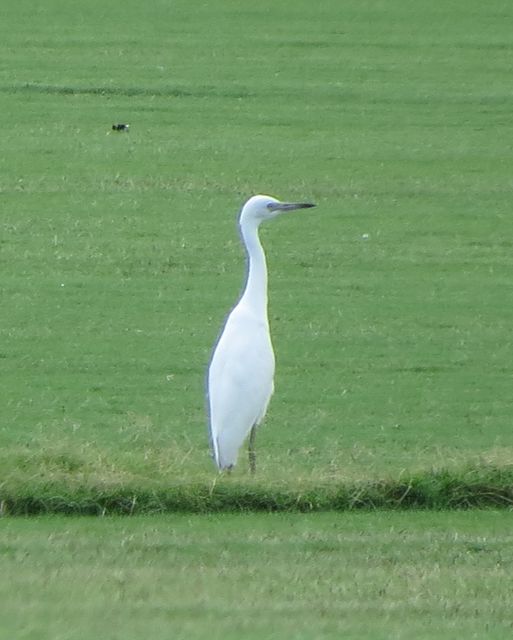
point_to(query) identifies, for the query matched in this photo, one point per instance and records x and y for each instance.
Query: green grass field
(390, 308)
(372, 575)
(120, 254)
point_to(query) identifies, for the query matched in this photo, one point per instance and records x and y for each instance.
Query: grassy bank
(470, 488)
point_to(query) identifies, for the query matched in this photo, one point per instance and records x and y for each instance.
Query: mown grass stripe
(170, 92)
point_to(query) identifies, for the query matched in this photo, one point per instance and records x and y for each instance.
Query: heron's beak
(290, 206)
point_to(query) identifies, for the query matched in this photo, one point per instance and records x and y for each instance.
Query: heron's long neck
(255, 292)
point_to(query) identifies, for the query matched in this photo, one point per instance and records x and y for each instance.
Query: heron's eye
(270, 205)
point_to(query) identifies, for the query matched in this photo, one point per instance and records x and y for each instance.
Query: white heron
(241, 372)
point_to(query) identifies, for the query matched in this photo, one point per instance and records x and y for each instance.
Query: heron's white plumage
(240, 383)
(241, 372)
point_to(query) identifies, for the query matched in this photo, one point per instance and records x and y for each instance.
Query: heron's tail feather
(215, 451)
(225, 453)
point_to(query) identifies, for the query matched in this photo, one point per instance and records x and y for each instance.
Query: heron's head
(260, 208)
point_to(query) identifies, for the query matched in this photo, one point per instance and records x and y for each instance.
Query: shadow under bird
(241, 372)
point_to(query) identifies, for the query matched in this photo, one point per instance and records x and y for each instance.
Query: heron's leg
(251, 449)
